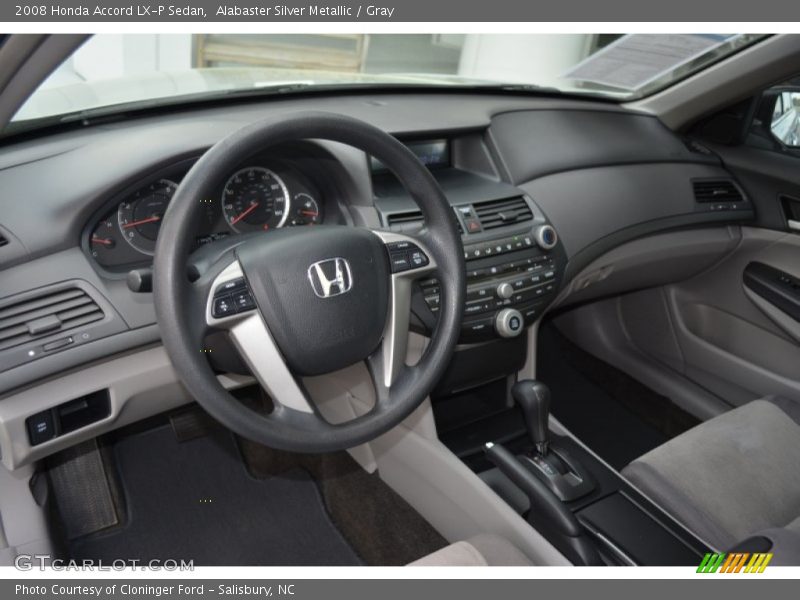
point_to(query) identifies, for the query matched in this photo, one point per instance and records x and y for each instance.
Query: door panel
(730, 344)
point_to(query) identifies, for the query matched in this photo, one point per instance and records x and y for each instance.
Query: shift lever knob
(533, 397)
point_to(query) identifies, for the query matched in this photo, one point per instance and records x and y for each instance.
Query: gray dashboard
(602, 176)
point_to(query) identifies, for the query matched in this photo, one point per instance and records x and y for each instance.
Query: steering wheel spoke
(230, 306)
(410, 260)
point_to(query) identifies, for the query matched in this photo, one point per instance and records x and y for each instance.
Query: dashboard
(598, 174)
(264, 194)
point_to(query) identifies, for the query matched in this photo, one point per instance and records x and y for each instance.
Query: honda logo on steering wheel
(330, 277)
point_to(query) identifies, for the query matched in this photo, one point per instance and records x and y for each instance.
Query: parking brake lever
(547, 513)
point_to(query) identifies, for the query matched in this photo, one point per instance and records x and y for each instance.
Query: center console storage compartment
(627, 531)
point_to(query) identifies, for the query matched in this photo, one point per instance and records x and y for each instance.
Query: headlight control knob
(546, 237)
(509, 323)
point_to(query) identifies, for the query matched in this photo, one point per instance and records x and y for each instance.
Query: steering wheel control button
(509, 323)
(546, 237)
(418, 258)
(223, 307)
(404, 256)
(242, 301)
(230, 286)
(400, 262)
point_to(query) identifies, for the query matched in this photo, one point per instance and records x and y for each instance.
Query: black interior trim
(775, 286)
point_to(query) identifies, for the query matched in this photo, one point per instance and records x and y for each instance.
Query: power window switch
(41, 427)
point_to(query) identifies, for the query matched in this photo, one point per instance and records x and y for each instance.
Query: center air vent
(411, 222)
(500, 213)
(719, 190)
(45, 314)
(405, 221)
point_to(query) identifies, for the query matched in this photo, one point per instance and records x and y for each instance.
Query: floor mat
(382, 527)
(196, 501)
(609, 411)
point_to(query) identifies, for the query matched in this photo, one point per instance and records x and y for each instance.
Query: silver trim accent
(395, 333)
(343, 279)
(255, 343)
(795, 225)
(538, 235)
(502, 322)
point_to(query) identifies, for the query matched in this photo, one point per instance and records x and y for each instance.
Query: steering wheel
(307, 301)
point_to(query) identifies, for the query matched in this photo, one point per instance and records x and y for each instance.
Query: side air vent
(721, 190)
(499, 213)
(406, 221)
(46, 314)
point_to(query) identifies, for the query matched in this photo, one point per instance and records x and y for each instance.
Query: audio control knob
(509, 323)
(546, 237)
(504, 291)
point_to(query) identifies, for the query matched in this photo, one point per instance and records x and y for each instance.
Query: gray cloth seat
(483, 550)
(733, 477)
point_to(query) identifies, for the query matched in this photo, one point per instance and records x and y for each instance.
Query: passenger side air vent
(46, 314)
(406, 221)
(721, 190)
(500, 213)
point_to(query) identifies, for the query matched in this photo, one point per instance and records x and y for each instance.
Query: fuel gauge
(305, 210)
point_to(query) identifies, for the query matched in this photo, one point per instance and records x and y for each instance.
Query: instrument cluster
(256, 197)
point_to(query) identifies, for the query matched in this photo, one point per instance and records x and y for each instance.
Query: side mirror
(784, 123)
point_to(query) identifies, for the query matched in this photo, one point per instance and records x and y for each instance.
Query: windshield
(115, 72)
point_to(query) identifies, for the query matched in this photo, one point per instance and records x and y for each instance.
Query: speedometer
(255, 199)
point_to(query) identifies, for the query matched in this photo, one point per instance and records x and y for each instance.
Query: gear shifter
(567, 478)
(533, 397)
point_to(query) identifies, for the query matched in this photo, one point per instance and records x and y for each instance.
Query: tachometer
(255, 199)
(140, 216)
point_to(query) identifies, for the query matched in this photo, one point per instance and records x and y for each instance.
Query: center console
(514, 257)
(499, 426)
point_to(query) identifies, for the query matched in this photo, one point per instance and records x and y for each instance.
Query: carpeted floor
(186, 488)
(196, 501)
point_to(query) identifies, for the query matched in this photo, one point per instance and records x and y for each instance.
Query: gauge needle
(152, 219)
(244, 213)
(97, 240)
(309, 213)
